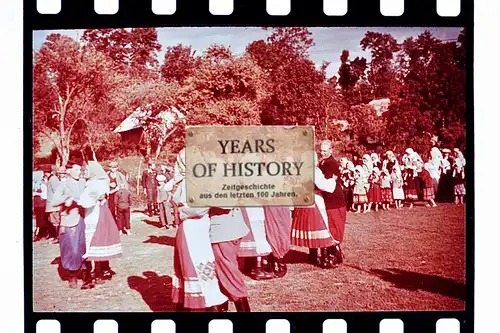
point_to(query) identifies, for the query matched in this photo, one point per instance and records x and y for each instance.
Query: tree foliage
(83, 90)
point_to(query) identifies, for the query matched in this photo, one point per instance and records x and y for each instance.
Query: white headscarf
(436, 156)
(460, 157)
(367, 161)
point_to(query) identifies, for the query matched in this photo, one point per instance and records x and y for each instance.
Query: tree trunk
(148, 146)
(138, 177)
(158, 149)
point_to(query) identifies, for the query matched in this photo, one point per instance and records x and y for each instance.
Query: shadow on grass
(63, 274)
(296, 257)
(417, 281)
(162, 240)
(156, 224)
(155, 290)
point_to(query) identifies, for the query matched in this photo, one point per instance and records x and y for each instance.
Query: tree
(350, 73)
(381, 74)
(225, 90)
(433, 76)
(133, 51)
(180, 63)
(70, 86)
(298, 91)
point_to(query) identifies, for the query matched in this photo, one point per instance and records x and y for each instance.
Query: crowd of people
(77, 208)
(370, 182)
(84, 209)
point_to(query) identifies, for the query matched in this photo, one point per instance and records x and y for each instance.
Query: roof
(132, 122)
(380, 105)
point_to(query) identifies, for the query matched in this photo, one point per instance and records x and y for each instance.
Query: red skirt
(375, 193)
(386, 194)
(359, 199)
(105, 244)
(428, 193)
(278, 224)
(411, 194)
(309, 229)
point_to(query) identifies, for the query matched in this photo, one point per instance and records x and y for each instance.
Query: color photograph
(112, 227)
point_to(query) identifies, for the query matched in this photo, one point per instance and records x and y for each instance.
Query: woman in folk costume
(278, 222)
(367, 166)
(390, 161)
(385, 188)
(375, 193)
(410, 176)
(310, 224)
(347, 180)
(459, 177)
(254, 245)
(360, 198)
(102, 237)
(39, 203)
(434, 167)
(195, 283)
(72, 230)
(376, 160)
(445, 187)
(398, 193)
(425, 175)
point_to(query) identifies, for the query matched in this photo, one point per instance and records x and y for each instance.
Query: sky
(329, 42)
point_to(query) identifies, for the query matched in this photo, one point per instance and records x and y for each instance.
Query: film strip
(46, 313)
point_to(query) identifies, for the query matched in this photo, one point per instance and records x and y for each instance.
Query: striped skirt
(309, 228)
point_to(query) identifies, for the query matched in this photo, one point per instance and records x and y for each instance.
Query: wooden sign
(229, 166)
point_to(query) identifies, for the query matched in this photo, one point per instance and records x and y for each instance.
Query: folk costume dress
(254, 244)
(347, 177)
(410, 175)
(102, 237)
(72, 232)
(195, 283)
(375, 193)
(459, 177)
(397, 183)
(359, 192)
(310, 224)
(425, 175)
(385, 187)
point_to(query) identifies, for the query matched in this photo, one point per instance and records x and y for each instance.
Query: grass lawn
(395, 260)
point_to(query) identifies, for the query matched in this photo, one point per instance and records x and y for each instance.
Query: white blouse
(327, 185)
